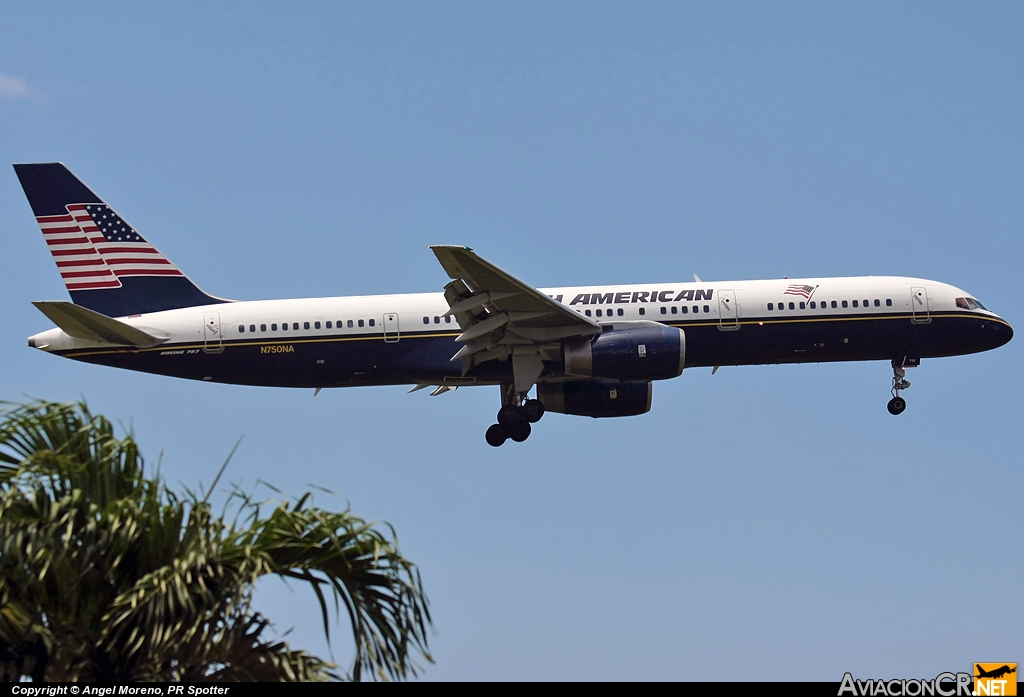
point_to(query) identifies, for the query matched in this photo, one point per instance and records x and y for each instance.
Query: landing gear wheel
(899, 382)
(897, 405)
(509, 415)
(533, 410)
(520, 431)
(496, 435)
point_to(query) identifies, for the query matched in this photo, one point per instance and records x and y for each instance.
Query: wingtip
(450, 246)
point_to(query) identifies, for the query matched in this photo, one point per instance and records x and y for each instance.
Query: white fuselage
(424, 313)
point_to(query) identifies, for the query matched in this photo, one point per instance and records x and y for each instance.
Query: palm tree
(106, 574)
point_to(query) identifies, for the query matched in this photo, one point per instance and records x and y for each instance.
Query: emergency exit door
(728, 313)
(212, 342)
(391, 327)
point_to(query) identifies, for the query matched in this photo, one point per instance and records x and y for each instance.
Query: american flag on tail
(801, 290)
(94, 247)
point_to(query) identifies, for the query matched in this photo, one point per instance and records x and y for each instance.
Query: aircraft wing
(497, 312)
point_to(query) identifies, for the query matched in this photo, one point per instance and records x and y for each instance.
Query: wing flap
(505, 292)
(502, 317)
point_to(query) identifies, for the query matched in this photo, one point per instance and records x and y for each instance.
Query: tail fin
(106, 264)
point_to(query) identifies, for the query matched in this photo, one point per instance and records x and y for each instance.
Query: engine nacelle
(596, 398)
(642, 353)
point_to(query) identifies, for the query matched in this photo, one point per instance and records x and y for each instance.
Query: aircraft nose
(1006, 333)
(1003, 332)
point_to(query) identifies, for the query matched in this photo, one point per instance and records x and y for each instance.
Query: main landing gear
(514, 419)
(899, 382)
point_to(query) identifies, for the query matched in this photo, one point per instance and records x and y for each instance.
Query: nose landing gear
(514, 419)
(899, 382)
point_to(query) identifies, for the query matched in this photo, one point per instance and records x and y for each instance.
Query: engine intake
(596, 398)
(643, 353)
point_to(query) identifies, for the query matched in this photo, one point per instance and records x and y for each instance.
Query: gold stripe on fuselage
(437, 335)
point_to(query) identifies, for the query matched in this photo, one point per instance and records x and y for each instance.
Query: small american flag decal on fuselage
(801, 290)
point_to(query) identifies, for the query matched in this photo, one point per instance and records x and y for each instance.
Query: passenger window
(371, 322)
(598, 313)
(273, 327)
(620, 312)
(426, 320)
(437, 320)
(350, 324)
(664, 310)
(834, 303)
(587, 313)
(855, 303)
(305, 325)
(684, 309)
(844, 303)
(674, 310)
(263, 327)
(252, 327)
(295, 326)
(316, 325)
(792, 306)
(707, 309)
(803, 306)
(360, 323)
(642, 311)
(877, 303)
(771, 307)
(865, 303)
(696, 309)
(888, 302)
(328, 324)
(447, 319)
(284, 327)
(241, 329)
(813, 306)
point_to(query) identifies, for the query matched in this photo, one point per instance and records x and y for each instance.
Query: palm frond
(107, 574)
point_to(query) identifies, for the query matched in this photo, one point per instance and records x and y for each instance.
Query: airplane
(995, 673)
(589, 351)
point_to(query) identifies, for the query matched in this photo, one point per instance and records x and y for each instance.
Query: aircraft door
(728, 312)
(919, 306)
(212, 342)
(391, 327)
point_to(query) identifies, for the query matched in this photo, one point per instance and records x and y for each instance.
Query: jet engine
(596, 398)
(641, 353)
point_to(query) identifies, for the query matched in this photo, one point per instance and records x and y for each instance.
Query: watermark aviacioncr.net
(989, 680)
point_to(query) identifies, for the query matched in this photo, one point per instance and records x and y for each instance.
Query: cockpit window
(970, 304)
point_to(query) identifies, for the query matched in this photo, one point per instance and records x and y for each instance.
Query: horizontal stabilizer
(83, 323)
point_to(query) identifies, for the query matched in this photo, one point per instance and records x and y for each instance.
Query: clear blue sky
(766, 522)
